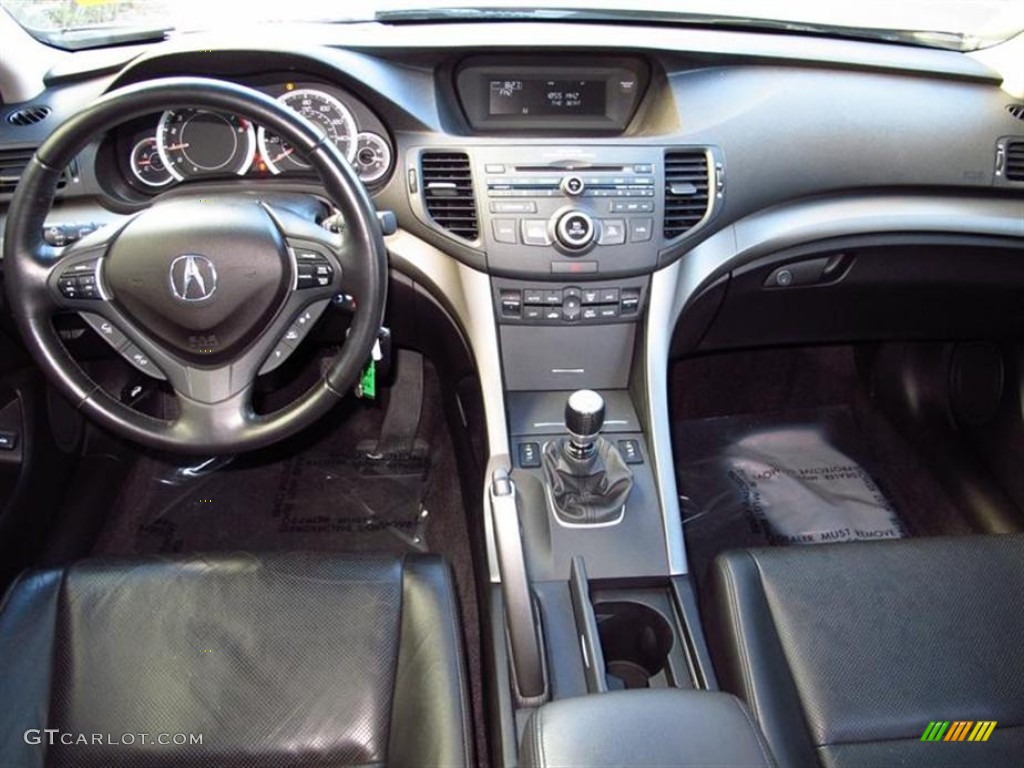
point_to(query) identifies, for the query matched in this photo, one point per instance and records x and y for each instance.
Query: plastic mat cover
(359, 501)
(789, 479)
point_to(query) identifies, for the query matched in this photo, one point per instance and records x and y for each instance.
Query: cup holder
(636, 641)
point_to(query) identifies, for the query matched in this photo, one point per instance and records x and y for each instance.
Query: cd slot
(570, 167)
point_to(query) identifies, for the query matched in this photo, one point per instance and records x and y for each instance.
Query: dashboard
(550, 160)
(157, 152)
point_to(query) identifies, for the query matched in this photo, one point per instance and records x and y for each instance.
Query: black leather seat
(289, 660)
(845, 653)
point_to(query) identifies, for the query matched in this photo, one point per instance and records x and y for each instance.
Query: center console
(572, 236)
(561, 231)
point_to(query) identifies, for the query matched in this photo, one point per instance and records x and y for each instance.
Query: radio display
(510, 96)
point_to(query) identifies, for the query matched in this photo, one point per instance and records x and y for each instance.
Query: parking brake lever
(520, 617)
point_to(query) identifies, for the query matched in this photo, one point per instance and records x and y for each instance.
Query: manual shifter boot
(588, 491)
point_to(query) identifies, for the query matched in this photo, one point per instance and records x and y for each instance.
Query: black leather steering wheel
(206, 289)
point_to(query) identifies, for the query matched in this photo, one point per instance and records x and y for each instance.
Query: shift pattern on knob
(584, 415)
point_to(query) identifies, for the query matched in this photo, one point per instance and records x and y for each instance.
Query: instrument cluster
(195, 143)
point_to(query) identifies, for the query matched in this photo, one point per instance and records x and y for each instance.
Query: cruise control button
(613, 232)
(277, 357)
(107, 331)
(141, 360)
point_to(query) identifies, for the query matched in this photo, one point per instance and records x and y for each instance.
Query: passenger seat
(848, 654)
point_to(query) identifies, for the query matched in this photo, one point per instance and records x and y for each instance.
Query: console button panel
(524, 303)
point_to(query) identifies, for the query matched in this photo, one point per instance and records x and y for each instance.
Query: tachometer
(373, 157)
(196, 142)
(326, 113)
(146, 164)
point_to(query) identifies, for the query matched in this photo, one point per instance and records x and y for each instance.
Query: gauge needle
(177, 146)
(284, 154)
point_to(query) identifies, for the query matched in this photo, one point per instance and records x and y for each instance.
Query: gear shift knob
(584, 417)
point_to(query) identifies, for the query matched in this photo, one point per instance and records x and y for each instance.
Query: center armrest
(644, 728)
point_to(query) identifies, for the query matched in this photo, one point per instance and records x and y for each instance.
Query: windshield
(956, 24)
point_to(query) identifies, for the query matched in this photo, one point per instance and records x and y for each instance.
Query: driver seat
(279, 660)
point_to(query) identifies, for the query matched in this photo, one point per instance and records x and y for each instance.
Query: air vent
(13, 163)
(29, 115)
(448, 192)
(1014, 161)
(1017, 110)
(686, 191)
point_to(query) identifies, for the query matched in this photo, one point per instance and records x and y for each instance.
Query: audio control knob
(575, 230)
(573, 186)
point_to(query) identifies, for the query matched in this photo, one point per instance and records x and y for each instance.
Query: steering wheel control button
(613, 232)
(575, 230)
(106, 330)
(141, 361)
(535, 232)
(314, 270)
(277, 358)
(573, 186)
(79, 281)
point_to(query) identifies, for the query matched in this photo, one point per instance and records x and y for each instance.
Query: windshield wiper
(947, 40)
(102, 36)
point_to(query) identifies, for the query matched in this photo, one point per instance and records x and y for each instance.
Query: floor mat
(344, 501)
(792, 478)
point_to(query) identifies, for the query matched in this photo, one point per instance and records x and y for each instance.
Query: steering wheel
(204, 290)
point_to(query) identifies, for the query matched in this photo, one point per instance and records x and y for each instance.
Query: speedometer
(195, 142)
(325, 112)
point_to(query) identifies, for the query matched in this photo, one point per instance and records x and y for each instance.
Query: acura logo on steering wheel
(193, 277)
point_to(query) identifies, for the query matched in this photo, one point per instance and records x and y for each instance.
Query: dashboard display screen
(547, 97)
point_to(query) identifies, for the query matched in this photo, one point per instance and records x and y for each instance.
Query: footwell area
(784, 447)
(336, 495)
(796, 478)
(317, 500)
